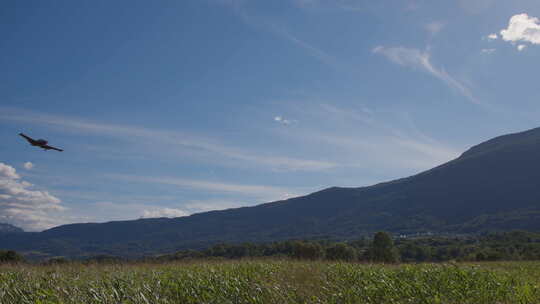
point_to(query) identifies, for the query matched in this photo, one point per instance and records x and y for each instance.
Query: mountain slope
(493, 185)
(7, 228)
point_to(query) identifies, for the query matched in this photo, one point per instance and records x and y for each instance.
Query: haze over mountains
(492, 186)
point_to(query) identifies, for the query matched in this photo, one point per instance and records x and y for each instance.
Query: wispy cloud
(362, 138)
(279, 30)
(381, 138)
(419, 148)
(166, 140)
(435, 27)
(257, 191)
(311, 50)
(418, 59)
(346, 5)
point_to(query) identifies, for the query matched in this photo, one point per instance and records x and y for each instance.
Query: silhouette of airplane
(42, 143)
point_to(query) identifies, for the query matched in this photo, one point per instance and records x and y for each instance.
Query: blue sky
(169, 108)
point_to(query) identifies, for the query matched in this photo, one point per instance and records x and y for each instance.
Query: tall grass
(271, 282)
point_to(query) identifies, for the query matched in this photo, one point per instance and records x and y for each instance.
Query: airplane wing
(29, 139)
(47, 147)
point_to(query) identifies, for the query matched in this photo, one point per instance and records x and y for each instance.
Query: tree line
(380, 248)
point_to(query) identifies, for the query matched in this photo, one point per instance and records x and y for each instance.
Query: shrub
(10, 256)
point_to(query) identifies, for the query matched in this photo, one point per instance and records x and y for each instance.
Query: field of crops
(271, 282)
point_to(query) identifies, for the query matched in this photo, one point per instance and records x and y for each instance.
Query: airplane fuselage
(39, 142)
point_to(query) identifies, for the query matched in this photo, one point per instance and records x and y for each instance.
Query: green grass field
(272, 282)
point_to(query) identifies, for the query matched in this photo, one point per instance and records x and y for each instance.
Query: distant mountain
(492, 186)
(7, 228)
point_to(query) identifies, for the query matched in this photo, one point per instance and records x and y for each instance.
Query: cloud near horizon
(164, 212)
(31, 210)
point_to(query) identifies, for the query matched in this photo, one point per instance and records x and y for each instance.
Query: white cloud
(28, 165)
(435, 27)
(488, 51)
(8, 172)
(415, 58)
(26, 208)
(522, 28)
(172, 141)
(283, 121)
(163, 212)
(492, 36)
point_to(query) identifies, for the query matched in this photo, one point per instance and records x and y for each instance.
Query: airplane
(42, 143)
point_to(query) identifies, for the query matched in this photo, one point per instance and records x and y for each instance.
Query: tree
(412, 252)
(382, 249)
(341, 251)
(309, 251)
